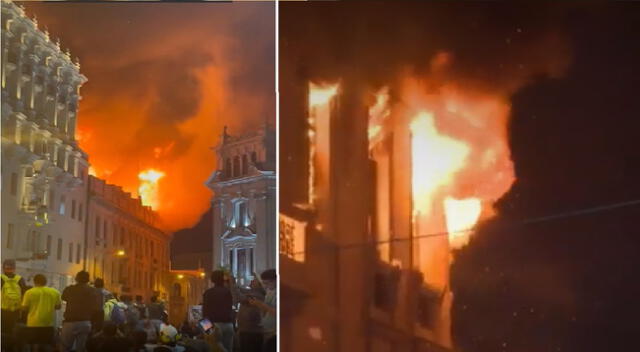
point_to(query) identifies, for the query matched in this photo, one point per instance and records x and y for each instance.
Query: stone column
(262, 251)
(218, 226)
(5, 52)
(53, 98)
(33, 59)
(18, 71)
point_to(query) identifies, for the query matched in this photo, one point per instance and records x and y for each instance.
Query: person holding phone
(268, 308)
(217, 306)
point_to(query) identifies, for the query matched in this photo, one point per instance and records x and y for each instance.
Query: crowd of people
(243, 319)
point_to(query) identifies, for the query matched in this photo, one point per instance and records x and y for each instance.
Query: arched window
(254, 157)
(177, 290)
(242, 214)
(227, 168)
(245, 165)
(236, 166)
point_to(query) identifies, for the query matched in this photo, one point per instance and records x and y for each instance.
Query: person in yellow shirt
(40, 304)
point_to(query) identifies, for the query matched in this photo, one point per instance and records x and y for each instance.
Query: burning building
(356, 274)
(125, 246)
(244, 203)
(44, 172)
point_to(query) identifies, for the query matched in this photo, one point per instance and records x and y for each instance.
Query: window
(242, 262)
(59, 252)
(242, 214)
(73, 208)
(252, 266)
(80, 211)
(231, 260)
(97, 234)
(31, 241)
(10, 236)
(254, 157)
(48, 244)
(62, 201)
(236, 166)
(78, 252)
(14, 184)
(106, 238)
(52, 200)
(70, 252)
(122, 236)
(228, 172)
(115, 235)
(245, 165)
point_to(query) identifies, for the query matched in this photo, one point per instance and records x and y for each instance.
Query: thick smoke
(493, 44)
(163, 81)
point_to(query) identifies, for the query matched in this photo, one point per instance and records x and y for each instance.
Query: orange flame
(321, 94)
(435, 160)
(378, 113)
(460, 157)
(148, 190)
(461, 216)
(319, 98)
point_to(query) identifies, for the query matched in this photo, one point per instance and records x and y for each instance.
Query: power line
(537, 220)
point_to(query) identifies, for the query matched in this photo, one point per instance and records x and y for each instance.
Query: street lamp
(180, 276)
(120, 253)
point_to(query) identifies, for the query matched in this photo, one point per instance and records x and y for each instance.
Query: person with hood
(13, 288)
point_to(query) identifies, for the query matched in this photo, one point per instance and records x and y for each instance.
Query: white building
(244, 203)
(44, 172)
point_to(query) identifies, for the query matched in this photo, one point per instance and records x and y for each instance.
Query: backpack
(118, 315)
(11, 293)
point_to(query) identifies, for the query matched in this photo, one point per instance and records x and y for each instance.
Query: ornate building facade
(125, 247)
(44, 172)
(244, 203)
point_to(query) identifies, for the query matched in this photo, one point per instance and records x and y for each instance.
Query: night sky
(164, 78)
(571, 72)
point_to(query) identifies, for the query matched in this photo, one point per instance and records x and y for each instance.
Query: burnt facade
(348, 248)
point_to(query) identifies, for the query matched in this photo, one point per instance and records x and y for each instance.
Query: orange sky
(163, 81)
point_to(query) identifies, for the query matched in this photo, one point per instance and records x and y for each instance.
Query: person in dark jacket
(217, 306)
(250, 332)
(82, 303)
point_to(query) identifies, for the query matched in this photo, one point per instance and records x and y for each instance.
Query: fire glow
(460, 157)
(148, 190)
(319, 107)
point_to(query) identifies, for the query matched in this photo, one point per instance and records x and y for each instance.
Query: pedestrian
(268, 307)
(13, 287)
(115, 312)
(98, 319)
(133, 314)
(250, 333)
(40, 304)
(217, 303)
(82, 303)
(156, 312)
